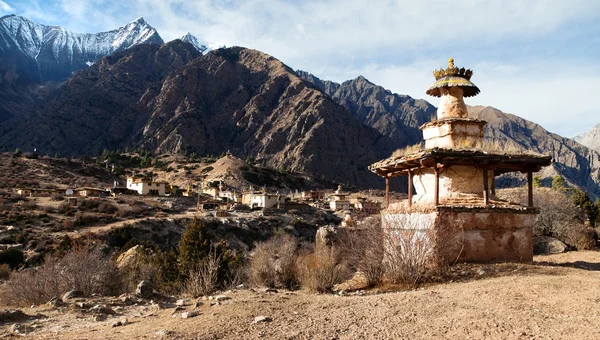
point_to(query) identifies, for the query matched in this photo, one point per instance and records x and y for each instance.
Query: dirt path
(109, 226)
(549, 299)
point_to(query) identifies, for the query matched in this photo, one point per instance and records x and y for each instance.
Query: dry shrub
(412, 250)
(204, 278)
(362, 248)
(88, 271)
(29, 205)
(107, 208)
(559, 217)
(273, 262)
(4, 272)
(321, 270)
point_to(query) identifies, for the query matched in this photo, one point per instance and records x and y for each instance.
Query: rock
(190, 314)
(54, 302)
(130, 257)
(548, 245)
(481, 271)
(100, 317)
(220, 298)
(20, 329)
(99, 309)
(121, 322)
(164, 332)
(183, 302)
(270, 290)
(71, 295)
(144, 289)
(262, 318)
(198, 304)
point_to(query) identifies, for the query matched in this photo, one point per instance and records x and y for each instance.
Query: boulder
(144, 289)
(130, 257)
(548, 245)
(190, 314)
(71, 295)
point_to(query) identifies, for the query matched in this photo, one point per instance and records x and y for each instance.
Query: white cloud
(5, 8)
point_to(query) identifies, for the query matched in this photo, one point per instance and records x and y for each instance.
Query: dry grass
(85, 270)
(273, 262)
(204, 278)
(321, 270)
(408, 150)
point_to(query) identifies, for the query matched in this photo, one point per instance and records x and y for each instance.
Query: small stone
(190, 314)
(164, 332)
(219, 298)
(198, 304)
(241, 286)
(182, 302)
(262, 318)
(481, 271)
(270, 290)
(102, 310)
(100, 317)
(144, 289)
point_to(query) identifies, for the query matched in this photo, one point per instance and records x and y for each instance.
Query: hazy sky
(537, 59)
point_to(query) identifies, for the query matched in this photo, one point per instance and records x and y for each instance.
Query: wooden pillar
(437, 186)
(530, 188)
(486, 192)
(387, 192)
(493, 188)
(410, 185)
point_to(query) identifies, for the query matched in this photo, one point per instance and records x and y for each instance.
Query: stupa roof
(453, 76)
(499, 161)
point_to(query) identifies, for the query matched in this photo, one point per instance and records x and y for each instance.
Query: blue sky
(537, 59)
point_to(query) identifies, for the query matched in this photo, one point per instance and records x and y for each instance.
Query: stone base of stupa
(470, 233)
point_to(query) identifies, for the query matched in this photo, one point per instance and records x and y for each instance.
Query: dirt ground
(556, 297)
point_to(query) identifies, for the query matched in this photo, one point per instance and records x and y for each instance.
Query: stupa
(453, 175)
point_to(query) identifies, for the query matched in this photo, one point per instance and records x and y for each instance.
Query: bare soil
(554, 297)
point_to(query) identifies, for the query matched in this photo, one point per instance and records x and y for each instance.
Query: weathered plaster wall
(488, 235)
(454, 135)
(454, 181)
(452, 104)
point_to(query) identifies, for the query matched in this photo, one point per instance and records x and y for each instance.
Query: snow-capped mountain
(44, 53)
(189, 38)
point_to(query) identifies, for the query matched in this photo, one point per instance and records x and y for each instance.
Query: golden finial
(450, 63)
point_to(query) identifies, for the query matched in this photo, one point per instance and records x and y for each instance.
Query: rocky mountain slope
(393, 115)
(35, 58)
(171, 97)
(591, 138)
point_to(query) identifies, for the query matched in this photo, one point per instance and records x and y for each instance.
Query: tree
(196, 245)
(583, 201)
(558, 183)
(18, 153)
(537, 181)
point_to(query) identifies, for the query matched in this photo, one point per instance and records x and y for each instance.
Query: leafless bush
(57, 197)
(273, 262)
(321, 270)
(559, 217)
(82, 269)
(29, 205)
(204, 278)
(362, 248)
(107, 208)
(412, 249)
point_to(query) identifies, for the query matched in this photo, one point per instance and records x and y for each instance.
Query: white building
(146, 186)
(265, 201)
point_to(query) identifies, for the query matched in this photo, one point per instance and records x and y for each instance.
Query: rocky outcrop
(548, 245)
